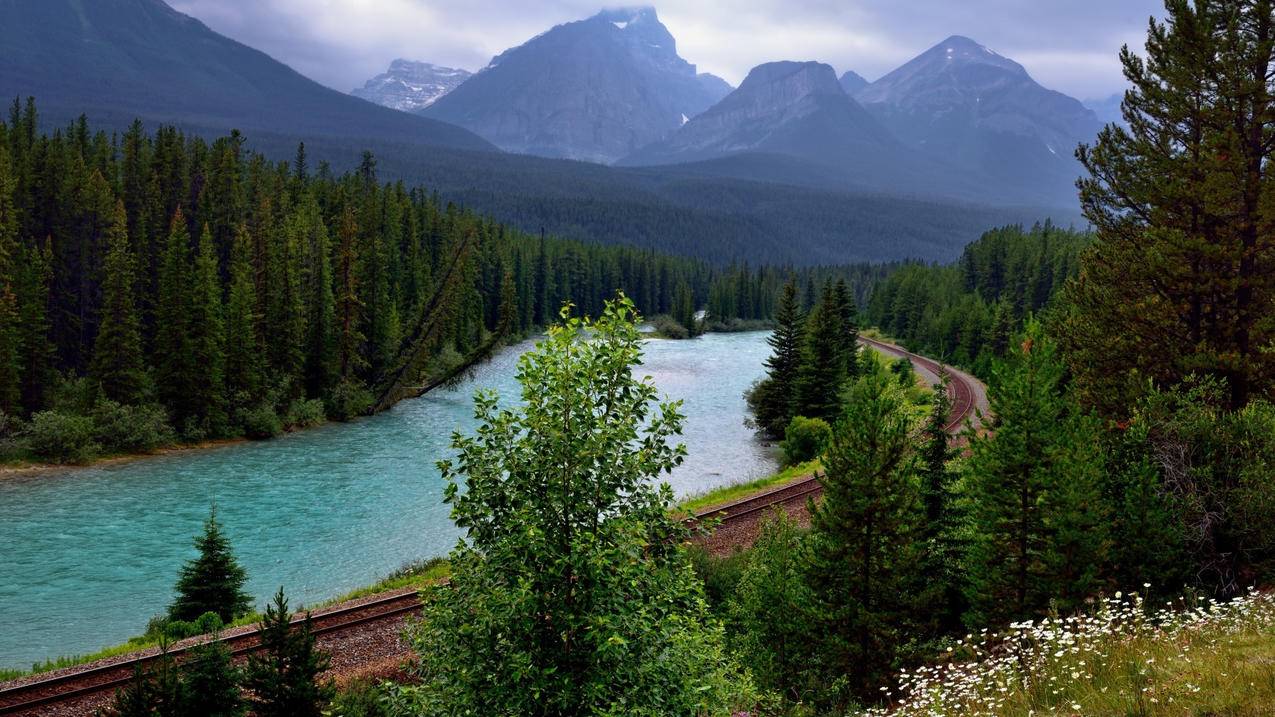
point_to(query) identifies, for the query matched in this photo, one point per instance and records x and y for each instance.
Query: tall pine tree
(211, 582)
(773, 399)
(117, 352)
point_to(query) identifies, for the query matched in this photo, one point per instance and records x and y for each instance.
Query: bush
(305, 414)
(804, 439)
(669, 328)
(62, 437)
(205, 624)
(260, 422)
(13, 445)
(130, 429)
(349, 399)
(361, 698)
(73, 395)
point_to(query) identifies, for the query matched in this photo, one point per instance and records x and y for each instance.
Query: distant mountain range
(596, 90)
(126, 59)
(789, 169)
(411, 86)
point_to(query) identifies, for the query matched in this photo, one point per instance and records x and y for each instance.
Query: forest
(157, 288)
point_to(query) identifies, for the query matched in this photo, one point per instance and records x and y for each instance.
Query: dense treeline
(967, 312)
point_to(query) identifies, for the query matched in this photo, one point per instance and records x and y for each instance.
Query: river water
(89, 555)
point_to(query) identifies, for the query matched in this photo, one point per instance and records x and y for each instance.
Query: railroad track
(39, 694)
(29, 697)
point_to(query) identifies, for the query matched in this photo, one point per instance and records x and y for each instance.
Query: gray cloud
(1066, 45)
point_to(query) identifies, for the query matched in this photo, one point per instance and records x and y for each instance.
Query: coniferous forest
(156, 288)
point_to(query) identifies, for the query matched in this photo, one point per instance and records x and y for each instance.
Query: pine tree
(848, 333)
(349, 307)
(862, 546)
(34, 280)
(542, 310)
(321, 361)
(10, 352)
(212, 682)
(284, 675)
(117, 352)
(243, 359)
(207, 399)
(1037, 517)
(176, 372)
(212, 582)
(822, 373)
(1181, 279)
(772, 400)
(939, 592)
(684, 308)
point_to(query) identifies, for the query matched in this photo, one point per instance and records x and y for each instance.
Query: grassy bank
(737, 491)
(414, 575)
(1186, 658)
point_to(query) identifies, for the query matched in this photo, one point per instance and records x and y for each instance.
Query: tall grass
(1207, 658)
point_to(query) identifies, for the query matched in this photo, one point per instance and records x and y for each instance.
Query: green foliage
(569, 594)
(117, 352)
(361, 698)
(304, 414)
(1033, 486)
(1181, 279)
(668, 327)
(827, 355)
(772, 401)
(804, 439)
(349, 400)
(283, 677)
(771, 614)
(212, 682)
(967, 313)
(260, 421)
(62, 438)
(130, 429)
(213, 581)
(863, 542)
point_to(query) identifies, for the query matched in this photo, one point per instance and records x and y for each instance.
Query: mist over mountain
(595, 89)
(409, 85)
(118, 60)
(970, 106)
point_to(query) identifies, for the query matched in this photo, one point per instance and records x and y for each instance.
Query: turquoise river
(89, 555)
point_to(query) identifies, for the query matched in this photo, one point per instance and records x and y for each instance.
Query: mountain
(964, 103)
(595, 90)
(117, 60)
(1107, 108)
(797, 125)
(410, 86)
(852, 82)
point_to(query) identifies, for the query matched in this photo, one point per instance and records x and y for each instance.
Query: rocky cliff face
(969, 105)
(852, 82)
(594, 90)
(411, 86)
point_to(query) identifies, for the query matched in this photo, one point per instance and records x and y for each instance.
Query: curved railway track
(38, 695)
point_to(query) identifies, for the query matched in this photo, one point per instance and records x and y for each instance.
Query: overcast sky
(1067, 45)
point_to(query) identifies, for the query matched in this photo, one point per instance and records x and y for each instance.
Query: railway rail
(36, 695)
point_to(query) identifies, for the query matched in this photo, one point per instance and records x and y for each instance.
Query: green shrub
(804, 439)
(260, 422)
(73, 395)
(669, 328)
(305, 414)
(130, 429)
(360, 698)
(62, 437)
(205, 624)
(349, 400)
(719, 575)
(13, 444)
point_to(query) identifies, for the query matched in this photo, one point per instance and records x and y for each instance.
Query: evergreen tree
(1184, 262)
(212, 582)
(243, 359)
(684, 309)
(207, 400)
(10, 352)
(939, 591)
(1033, 489)
(176, 372)
(773, 399)
(155, 691)
(349, 307)
(283, 676)
(34, 281)
(862, 542)
(321, 361)
(212, 682)
(822, 373)
(117, 352)
(847, 316)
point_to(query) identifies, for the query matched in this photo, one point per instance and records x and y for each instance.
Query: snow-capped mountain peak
(408, 85)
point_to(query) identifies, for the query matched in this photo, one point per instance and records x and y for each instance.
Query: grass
(737, 491)
(417, 575)
(1184, 659)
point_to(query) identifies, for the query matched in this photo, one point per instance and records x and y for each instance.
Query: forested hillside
(152, 284)
(967, 312)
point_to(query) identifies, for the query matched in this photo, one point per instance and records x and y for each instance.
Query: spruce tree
(1181, 278)
(847, 316)
(1037, 519)
(773, 400)
(213, 581)
(35, 278)
(207, 400)
(940, 588)
(212, 682)
(822, 373)
(349, 306)
(283, 676)
(321, 361)
(10, 352)
(684, 308)
(862, 542)
(117, 353)
(175, 370)
(243, 359)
